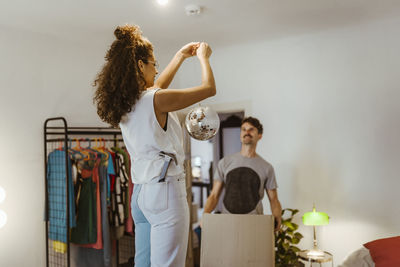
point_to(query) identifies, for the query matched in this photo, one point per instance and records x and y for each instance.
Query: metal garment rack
(57, 134)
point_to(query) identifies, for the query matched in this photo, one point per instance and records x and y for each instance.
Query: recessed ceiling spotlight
(162, 2)
(192, 10)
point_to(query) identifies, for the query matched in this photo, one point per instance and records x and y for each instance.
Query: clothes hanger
(73, 151)
(101, 148)
(98, 143)
(77, 150)
(89, 154)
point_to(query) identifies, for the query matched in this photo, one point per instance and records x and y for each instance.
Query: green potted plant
(285, 240)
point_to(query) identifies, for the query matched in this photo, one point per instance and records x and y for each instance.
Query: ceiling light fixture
(192, 10)
(162, 2)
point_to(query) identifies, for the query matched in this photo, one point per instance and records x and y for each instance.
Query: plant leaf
(289, 225)
(285, 246)
(298, 235)
(285, 239)
(294, 249)
(295, 212)
(295, 240)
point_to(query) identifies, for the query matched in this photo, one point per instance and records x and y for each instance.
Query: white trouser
(165, 207)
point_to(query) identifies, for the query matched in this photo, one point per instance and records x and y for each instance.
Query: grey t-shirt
(245, 180)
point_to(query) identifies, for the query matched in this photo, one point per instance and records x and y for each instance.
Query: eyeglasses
(155, 63)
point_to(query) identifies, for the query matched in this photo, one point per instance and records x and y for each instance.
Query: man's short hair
(255, 122)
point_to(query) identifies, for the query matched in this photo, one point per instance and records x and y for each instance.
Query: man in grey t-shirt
(245, 176)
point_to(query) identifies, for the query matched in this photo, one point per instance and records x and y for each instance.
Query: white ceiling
(222, 21)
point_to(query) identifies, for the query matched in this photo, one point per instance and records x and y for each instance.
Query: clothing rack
(57, 134)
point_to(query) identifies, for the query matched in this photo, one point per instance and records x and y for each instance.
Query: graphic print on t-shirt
(241, 190)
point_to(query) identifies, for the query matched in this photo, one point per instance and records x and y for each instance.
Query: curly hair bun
(127, 32)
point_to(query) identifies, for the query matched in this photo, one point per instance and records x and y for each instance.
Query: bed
(377, 253)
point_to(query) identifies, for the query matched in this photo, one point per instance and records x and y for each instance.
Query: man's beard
(247, 141)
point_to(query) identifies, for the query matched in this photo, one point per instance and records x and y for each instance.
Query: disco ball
(202, 123)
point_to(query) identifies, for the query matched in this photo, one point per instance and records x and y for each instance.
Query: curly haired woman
(127, 96)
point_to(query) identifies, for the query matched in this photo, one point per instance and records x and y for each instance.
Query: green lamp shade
(315, 218)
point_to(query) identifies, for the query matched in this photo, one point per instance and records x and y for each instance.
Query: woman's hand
(189, 49)
(204, 51)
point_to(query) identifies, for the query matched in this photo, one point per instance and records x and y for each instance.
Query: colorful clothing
(57, 200)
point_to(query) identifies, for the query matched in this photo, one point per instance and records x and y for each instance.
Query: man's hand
(278, 222)
(276, 208)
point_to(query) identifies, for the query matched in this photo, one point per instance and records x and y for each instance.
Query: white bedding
(359, 258)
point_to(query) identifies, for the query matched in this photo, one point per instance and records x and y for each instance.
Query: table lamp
(315, 218)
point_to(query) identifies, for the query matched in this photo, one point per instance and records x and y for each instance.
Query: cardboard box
(231, 240)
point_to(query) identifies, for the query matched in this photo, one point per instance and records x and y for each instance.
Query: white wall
(40, 77)
(329, 105)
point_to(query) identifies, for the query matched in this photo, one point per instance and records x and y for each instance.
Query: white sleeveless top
(145, 139)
